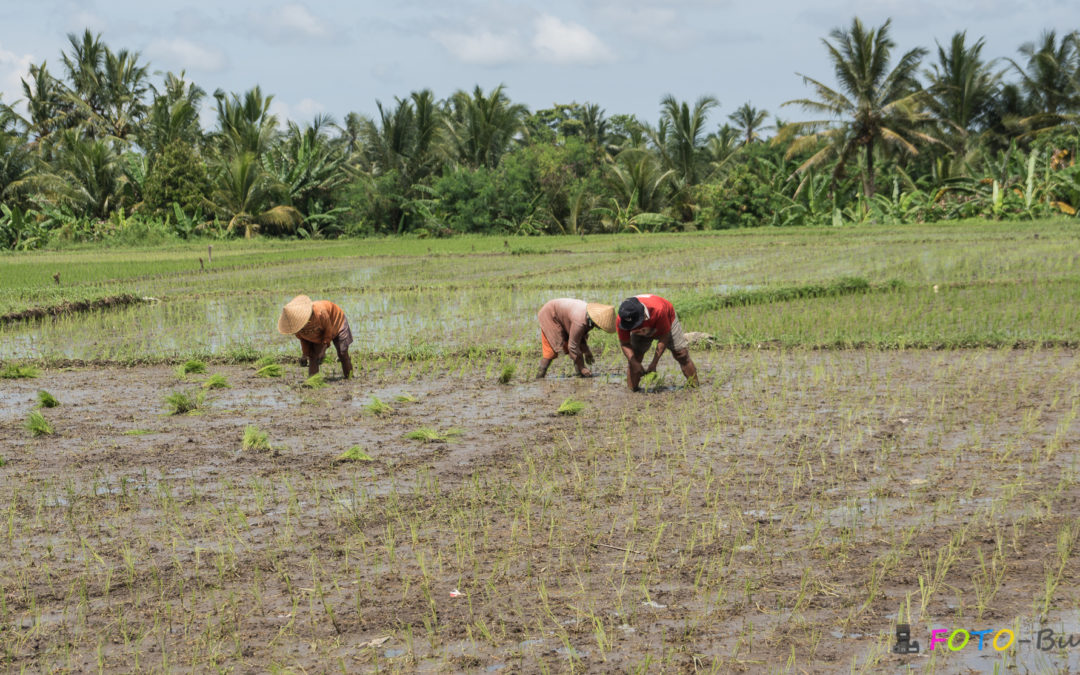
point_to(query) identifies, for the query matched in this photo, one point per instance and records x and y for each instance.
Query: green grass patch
(46, 400)
(37, 425)
(355, 454)
(570, 407)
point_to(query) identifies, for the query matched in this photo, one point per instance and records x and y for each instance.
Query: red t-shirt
(658, 317)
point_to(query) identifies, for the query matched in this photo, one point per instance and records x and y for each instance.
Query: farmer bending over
(316, 325)
(564, 327)
(643, 319)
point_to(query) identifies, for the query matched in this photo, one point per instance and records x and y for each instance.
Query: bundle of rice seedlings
(46, 400)
(269, 370)
(316, 381)
(432, 435)
(37, 424)
(216, 381)
(570, 407)
(15, 371)
(255, 438)
(406, 398)
(377, 407)
(193, 366)
(507, 373)
(181, 402)
(355, 454)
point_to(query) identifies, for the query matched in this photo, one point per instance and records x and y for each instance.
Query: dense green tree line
(102, 152)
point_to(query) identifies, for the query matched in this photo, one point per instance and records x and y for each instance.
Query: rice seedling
(316, 381)
(255, 438)
(189, 367)
(265, 361)
(216, 381)
(183, 402)
(355, 454)
(37, 425)
(653, 381)
(18, 371)
(270, 370)
(138, 432)
(46, 400)
(406, 398)
(377, 407)
(433, 435)
(507, 373)
(571, 407)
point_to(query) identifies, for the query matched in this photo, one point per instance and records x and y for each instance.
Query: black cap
(631, 314)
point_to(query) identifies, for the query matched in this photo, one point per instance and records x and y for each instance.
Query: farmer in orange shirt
(647, 318)
(564, 327)
(316, 325)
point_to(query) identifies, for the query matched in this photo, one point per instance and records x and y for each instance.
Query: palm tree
(245, 194)
(1050, 78)
(482, 126)
(963, 89)
(749, 120)
(680, 136)
(173, 115)
(246, 125)
(875, 107)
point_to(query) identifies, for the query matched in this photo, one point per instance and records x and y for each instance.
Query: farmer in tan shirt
(564, 327)
(316, 325)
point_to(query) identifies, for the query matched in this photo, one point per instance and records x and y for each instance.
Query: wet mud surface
(781, 515)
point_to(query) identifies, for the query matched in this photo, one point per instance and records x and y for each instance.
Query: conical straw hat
(602, 315)
(294, 315)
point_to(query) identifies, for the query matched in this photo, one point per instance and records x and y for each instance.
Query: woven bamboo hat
(602, 315)
(294, 315)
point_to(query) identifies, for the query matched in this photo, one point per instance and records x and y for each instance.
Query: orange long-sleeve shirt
(327, 320)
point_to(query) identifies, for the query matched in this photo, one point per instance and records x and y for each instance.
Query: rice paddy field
(885, 433)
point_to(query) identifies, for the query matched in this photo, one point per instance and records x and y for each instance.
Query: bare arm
(634, 369)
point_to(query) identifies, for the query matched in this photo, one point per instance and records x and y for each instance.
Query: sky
(334, 57)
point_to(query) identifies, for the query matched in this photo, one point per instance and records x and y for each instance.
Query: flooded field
(785, 515)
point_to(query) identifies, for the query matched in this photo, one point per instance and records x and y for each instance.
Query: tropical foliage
(96, 149)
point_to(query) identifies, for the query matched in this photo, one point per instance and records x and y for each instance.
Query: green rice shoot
(571, 407)
(432, 435)
(46, 400)
(18, 371)
(37, 425)
(316, 381)
(255, 438)
(265, 361)
(216, 381)
(183, 402)
(193, 366)
(378, 407)
(270, 370)
(651, 381)
(406, 398)
(507, 373)
(355, 454)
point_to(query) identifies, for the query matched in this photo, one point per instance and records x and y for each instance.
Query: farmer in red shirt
(647, 318)
(316, 325)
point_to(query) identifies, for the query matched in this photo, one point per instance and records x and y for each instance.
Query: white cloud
(13, 69)
(302, 113)
(187, 55)
(550, 40)
(289, 22)
(482, 47)
(568, 43)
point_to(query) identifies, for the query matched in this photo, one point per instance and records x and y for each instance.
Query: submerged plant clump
(355, 454)
(571, 407)
(182, 402)
(433, 435)
(46, 400)
(255, 438)
(37, 425)
(16, 371)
